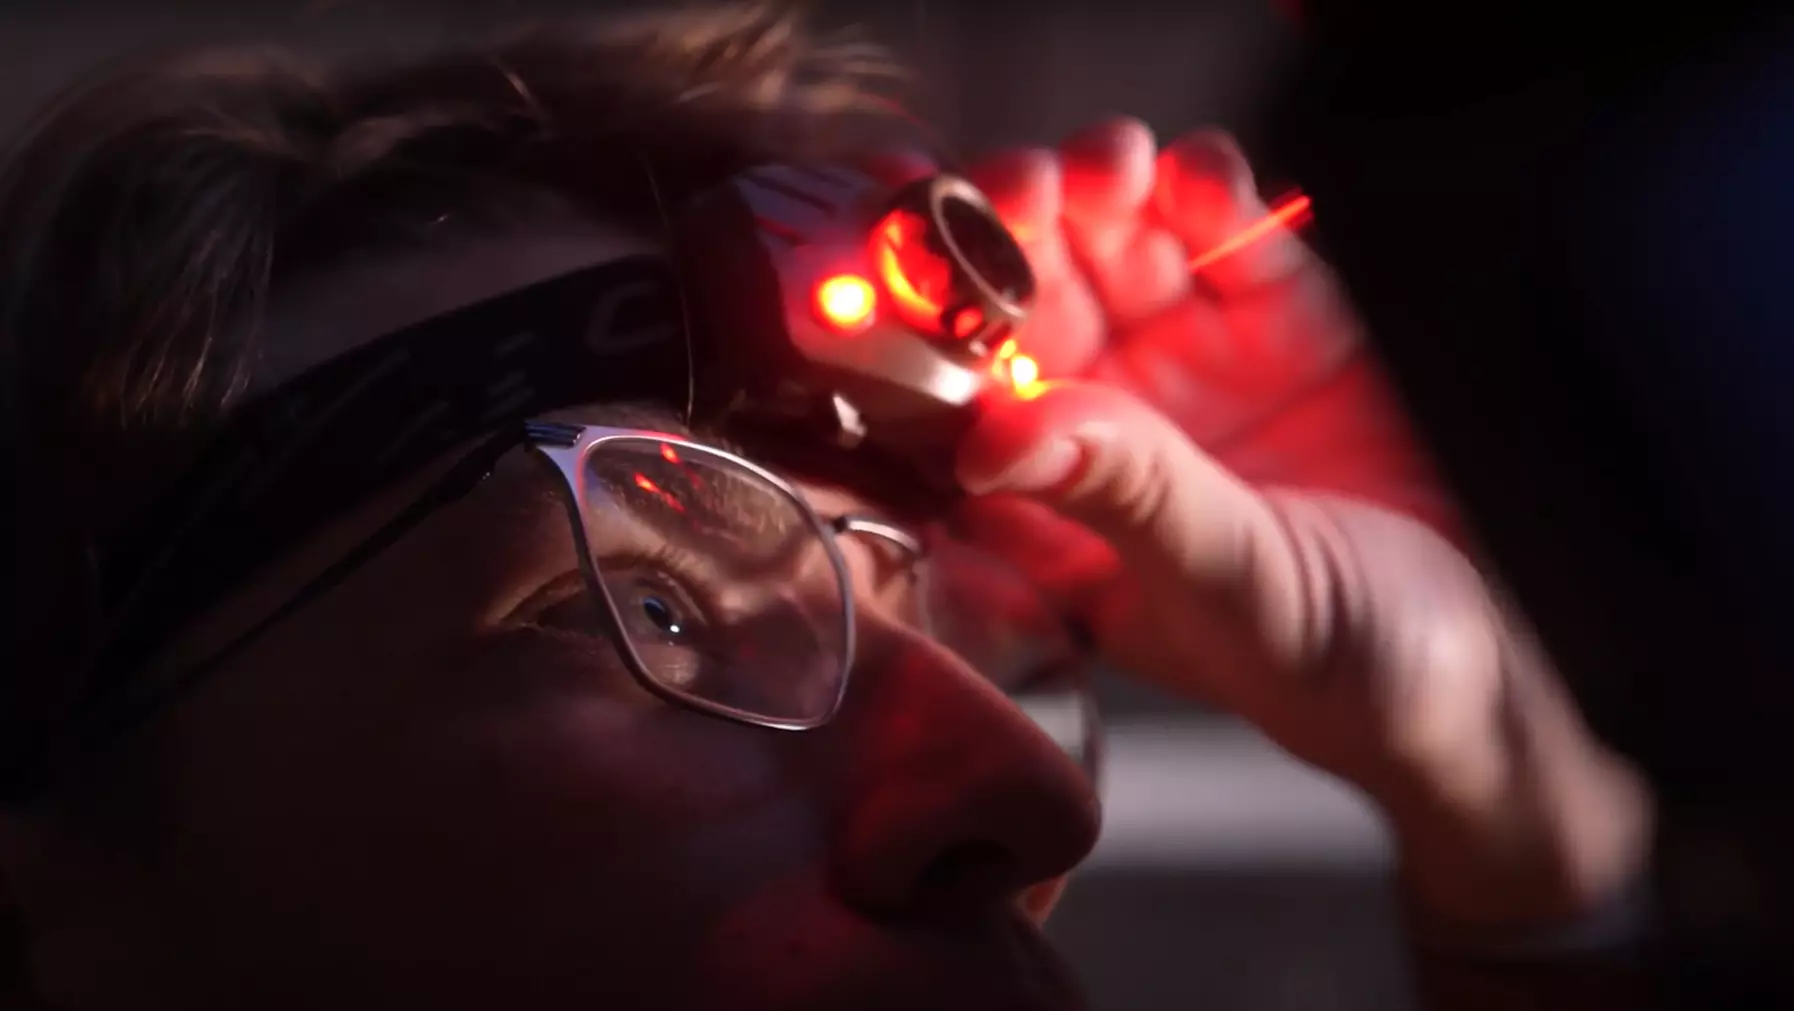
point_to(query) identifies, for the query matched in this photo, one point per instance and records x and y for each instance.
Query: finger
(1277, 395)
(1348, 438)
(1065, 328)
(1205, 360)
(1187, 362)
(1026, 185)
(1205, 193)
(1137, 270)
(1108, 461)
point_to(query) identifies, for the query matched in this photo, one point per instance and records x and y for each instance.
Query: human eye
(664, 605)
(668, 615)
(711, 626)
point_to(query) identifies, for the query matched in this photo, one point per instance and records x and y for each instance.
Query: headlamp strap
(321, 442)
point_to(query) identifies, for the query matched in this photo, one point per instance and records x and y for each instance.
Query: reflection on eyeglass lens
(723, 584)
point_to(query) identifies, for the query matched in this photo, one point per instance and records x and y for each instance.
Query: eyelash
(681, 568)
(674, 564)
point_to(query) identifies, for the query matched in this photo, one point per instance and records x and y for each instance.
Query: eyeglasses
(721, 588)
(725, 592)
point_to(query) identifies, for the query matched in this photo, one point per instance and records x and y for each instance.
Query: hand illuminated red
(1257, 356)
(1222, 487)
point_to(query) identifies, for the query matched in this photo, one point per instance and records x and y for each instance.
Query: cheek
(527, 805)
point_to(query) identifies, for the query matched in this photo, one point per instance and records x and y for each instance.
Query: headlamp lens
(952, 268)
(986, 248)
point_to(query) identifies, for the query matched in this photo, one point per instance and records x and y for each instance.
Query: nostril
(969, 872)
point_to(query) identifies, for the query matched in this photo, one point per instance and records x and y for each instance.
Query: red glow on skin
(1290, 213)
(1021, 373)
(967, 323)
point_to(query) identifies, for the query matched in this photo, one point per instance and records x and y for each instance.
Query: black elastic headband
(316, 445)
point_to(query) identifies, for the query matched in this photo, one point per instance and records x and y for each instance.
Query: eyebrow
(648, 505)
(674, 497)
(527, 497)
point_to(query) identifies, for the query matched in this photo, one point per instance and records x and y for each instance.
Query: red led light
(1024, 374)
(846, 302)
(967, 322)
(1020, 372)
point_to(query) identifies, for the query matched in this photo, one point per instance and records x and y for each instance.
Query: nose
(952, 798)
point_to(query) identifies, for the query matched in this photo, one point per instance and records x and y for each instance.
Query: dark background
(1229, 877)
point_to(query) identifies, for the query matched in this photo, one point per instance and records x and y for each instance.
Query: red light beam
(1291, 212)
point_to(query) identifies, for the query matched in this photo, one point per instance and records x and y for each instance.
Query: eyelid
(877, 568)
(556, 591)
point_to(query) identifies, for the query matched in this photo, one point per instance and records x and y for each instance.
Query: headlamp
(839, 312)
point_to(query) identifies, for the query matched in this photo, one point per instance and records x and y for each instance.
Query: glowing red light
(919, 279)
(1020, 372)
(668, 453)
(1023, 372)
(1291, 212)
(846, 301)
(967, 322)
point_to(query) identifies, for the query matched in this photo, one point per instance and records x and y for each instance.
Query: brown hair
(146, 217)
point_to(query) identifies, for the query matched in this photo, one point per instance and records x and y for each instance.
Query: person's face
(438, 788)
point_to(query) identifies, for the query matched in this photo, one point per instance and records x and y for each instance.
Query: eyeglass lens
(728, 591)
(726, 587)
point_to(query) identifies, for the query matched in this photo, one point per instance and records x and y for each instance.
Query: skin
(438, 787)
(1307, 573)
(406, 796)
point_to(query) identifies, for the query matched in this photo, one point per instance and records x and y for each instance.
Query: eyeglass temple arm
(1082, 637)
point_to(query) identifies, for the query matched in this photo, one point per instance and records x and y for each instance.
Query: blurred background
(1229, 877)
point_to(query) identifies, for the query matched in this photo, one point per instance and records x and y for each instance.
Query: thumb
(1096, 454)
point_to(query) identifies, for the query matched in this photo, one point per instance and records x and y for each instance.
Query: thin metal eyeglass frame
(117, 716)
(568, 448)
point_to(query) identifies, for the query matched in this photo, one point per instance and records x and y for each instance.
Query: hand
(1227, 495)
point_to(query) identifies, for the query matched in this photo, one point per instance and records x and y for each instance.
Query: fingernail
(1046, 466)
